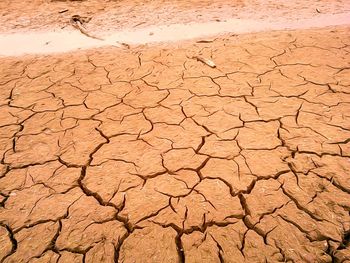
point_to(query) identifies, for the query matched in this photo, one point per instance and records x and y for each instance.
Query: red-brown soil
(148, 155)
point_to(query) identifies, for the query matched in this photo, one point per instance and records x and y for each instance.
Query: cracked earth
(147, 155)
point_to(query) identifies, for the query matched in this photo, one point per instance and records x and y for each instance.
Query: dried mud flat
(147, 155)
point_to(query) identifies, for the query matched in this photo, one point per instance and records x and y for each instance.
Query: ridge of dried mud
(146, 155)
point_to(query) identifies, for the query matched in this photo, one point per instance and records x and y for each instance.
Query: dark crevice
(345, 241)
(118, 247)
(180, 249)
(12, 239)
(220, 250)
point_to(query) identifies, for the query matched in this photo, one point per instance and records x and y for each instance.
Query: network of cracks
(147, 155)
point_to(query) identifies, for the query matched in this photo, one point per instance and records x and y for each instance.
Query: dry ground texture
(147, 155)
(21, 15)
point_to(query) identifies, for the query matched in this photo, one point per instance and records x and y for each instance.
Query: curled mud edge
(65, 41)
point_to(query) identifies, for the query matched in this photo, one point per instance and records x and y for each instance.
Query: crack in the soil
(265, 102)
(12, 239)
